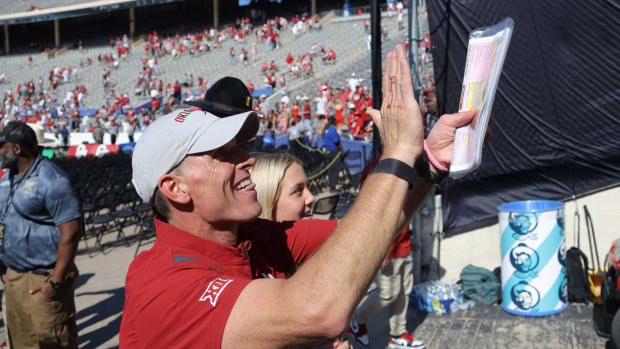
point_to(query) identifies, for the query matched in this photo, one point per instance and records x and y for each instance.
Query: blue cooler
(533, 257)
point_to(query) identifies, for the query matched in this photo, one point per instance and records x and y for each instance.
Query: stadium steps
(347, 38)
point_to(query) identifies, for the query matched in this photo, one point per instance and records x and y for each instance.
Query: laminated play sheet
(485, 57)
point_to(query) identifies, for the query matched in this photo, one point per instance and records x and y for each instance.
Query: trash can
(533, 257)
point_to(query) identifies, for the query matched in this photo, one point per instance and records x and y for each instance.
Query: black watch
(423, 169)
(55, 285)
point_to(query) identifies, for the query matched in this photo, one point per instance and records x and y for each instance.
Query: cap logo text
(182, 115)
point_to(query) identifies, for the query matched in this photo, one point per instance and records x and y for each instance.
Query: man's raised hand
(400, 120)
(440, 140)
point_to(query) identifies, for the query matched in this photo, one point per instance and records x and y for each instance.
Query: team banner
(97, 150)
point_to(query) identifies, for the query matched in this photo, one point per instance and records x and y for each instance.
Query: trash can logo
(563, 291)
(525, 296)
(522, 224)
(562, 253)
(524, 259)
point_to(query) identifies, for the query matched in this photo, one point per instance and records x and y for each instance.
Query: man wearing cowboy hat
(39, 233)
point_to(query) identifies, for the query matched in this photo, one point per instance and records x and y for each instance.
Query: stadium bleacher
(346, 37)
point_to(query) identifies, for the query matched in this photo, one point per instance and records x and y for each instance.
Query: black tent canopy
(557, 108)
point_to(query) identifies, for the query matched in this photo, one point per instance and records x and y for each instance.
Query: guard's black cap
(18, 132)
(228, 96)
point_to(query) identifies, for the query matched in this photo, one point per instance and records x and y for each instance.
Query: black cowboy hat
(228, 96)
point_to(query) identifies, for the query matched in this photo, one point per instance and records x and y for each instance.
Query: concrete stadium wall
(481, 247)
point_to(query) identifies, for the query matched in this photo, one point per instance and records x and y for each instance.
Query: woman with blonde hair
(281, 187)
(282, 190)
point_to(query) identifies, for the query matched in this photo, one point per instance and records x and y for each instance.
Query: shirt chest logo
(214, 290)
(27, 187)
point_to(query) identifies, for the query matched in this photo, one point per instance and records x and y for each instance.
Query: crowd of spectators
(296, 118)
(301, 117)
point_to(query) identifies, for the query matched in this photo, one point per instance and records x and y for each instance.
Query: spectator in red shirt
(176, 91)
(289, 59)
(272, 80)
(331, 56)
(155, 105)
(295, 111)
(232, 56)
(306, 108)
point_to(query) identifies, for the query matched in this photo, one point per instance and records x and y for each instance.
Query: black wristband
(423, 169)
(398, 169)
(55, 285)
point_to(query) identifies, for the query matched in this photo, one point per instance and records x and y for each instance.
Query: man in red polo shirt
(214, 276)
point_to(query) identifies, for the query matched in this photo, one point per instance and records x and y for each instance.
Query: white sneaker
(405, 341)
(359, 332)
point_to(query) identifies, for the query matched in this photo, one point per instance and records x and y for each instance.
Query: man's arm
(316, 303)
(63, 205)
(69, 239)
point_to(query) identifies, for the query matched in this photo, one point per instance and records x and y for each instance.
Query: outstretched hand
(400, 120)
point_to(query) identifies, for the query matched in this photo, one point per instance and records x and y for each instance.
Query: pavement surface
(99, 299)
(492, 327)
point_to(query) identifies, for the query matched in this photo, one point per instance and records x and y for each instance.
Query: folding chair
(146, 229)
(325, 206)
(100, 220)
(354, 160)
(124, 213)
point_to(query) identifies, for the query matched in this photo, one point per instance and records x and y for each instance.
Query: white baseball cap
(168, 140)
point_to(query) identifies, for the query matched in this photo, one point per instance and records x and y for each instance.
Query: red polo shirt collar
(181, 241)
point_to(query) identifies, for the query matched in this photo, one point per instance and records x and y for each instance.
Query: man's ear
(17, 149)
(171, 185)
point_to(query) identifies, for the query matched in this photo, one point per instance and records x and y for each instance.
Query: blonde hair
(267, 173)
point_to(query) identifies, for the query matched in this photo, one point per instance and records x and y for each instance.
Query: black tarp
(557, 108)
